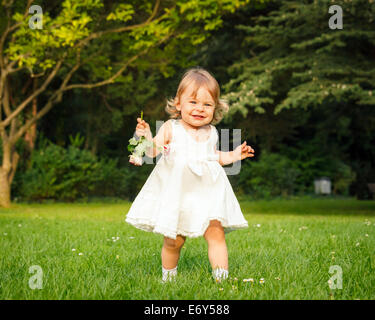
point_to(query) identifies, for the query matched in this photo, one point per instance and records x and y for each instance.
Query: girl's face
(198, 111)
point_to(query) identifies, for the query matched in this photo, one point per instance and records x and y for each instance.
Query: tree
(99, 39)
(296, 62)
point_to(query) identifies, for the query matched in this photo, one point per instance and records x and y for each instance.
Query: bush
(272, 175)
(57, 173)
(342, 178)
(69, 174)
(314, 162)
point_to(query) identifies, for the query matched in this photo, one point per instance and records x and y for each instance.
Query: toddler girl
(188, 193)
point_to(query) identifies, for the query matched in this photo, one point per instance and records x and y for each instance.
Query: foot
(219, 274)
(169, 274)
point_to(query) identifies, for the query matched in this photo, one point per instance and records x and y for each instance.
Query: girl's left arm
(225, 158)
(241, 152)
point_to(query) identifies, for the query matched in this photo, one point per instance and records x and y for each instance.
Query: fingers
(246, 148)
(247, 151)
(142, 128)
(142, 124)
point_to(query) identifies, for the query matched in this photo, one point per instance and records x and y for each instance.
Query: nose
(199, 106)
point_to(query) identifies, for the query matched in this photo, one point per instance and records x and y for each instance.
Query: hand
(143, 129)
(243, 151)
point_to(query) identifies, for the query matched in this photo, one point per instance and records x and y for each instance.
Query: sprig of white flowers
(138, 148)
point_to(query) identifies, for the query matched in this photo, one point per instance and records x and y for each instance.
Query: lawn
(88, 251)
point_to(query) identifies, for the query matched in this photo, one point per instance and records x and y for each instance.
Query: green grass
(334, 233)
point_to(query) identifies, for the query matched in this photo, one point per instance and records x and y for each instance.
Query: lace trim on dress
(148, 225)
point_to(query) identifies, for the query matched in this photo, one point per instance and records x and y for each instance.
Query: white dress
(186, 189)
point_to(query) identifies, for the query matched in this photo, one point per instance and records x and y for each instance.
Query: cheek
(187, 108)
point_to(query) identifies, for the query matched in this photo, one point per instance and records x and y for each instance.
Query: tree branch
(96, 35)
(33, 95)
(105, 101)
(119, 72)
(10, 29)
(57, 96)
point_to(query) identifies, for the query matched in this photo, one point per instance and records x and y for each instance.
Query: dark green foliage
(59, 173)
(277, 175)
(302, 94)
(313, 162)
(69, 174)
(297, 61)
(273, 175)
(300, 82)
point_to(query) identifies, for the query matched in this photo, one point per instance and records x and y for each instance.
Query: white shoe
(169, 274)
(219, 274)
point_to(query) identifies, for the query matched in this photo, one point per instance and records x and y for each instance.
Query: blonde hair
(198, 77)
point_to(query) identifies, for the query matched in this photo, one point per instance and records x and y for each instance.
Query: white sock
(220, 274)
(169, 274)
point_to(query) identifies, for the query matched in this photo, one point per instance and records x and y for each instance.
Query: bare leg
(217, 247)
(170, 253)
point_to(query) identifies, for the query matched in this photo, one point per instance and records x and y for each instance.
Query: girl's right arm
(162, 138)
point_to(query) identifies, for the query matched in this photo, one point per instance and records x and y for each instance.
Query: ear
(177, 104)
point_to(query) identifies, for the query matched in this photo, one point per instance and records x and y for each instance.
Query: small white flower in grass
(117, 238)
(302, 228)
(329, 282)
(367, 222)
(333, 252)
(261, 280)
(20, 225)
(357, 244)
(277, 278)
(5, 234)
(74, 249)
(221, 289)
(80, 254)
(248, 280)
(366, 235)
(131, 238)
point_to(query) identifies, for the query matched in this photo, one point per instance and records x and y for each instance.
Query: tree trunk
(88, 129)
(94, 147)
(30, 135)
(4, 189)
(10, 155)
(7, 171)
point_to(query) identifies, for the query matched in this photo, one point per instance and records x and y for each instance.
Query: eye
(192, 101)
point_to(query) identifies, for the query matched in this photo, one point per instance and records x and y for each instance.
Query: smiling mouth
(198, 117)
